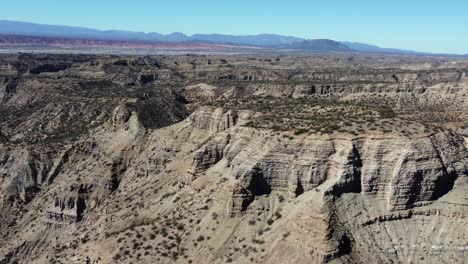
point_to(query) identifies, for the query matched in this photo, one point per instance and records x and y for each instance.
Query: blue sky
(430, 25)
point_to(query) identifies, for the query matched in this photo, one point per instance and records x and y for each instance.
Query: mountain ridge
(275, 41)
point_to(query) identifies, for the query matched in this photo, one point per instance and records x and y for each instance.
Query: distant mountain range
(267, 41)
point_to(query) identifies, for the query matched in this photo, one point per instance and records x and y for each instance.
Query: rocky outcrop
(200, 91)
(217, 120)
(23, 172)
(210, 154)
(67, 210)
(148, 78)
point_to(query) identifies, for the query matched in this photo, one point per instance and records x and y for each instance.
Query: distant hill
(40, 30)
(269, 41)
(264, 40)
(319, 45)
(363, 47)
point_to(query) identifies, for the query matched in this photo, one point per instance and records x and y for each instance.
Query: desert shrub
(281, 198)
(300, 131)
(214, 216)
(257, 241)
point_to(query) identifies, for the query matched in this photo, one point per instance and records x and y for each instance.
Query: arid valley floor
(233, 159)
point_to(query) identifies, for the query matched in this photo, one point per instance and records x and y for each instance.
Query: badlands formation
(233, 159)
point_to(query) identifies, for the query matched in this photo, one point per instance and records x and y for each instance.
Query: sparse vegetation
(308, 115)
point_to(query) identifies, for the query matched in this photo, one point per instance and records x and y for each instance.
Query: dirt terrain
(233, 159)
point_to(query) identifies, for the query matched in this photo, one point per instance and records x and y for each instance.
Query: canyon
(324, 158)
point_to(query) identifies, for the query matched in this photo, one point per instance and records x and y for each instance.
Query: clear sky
(423, 25)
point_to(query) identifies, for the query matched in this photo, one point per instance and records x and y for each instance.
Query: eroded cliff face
(133, 160)
(356, 185)
(404, 172)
